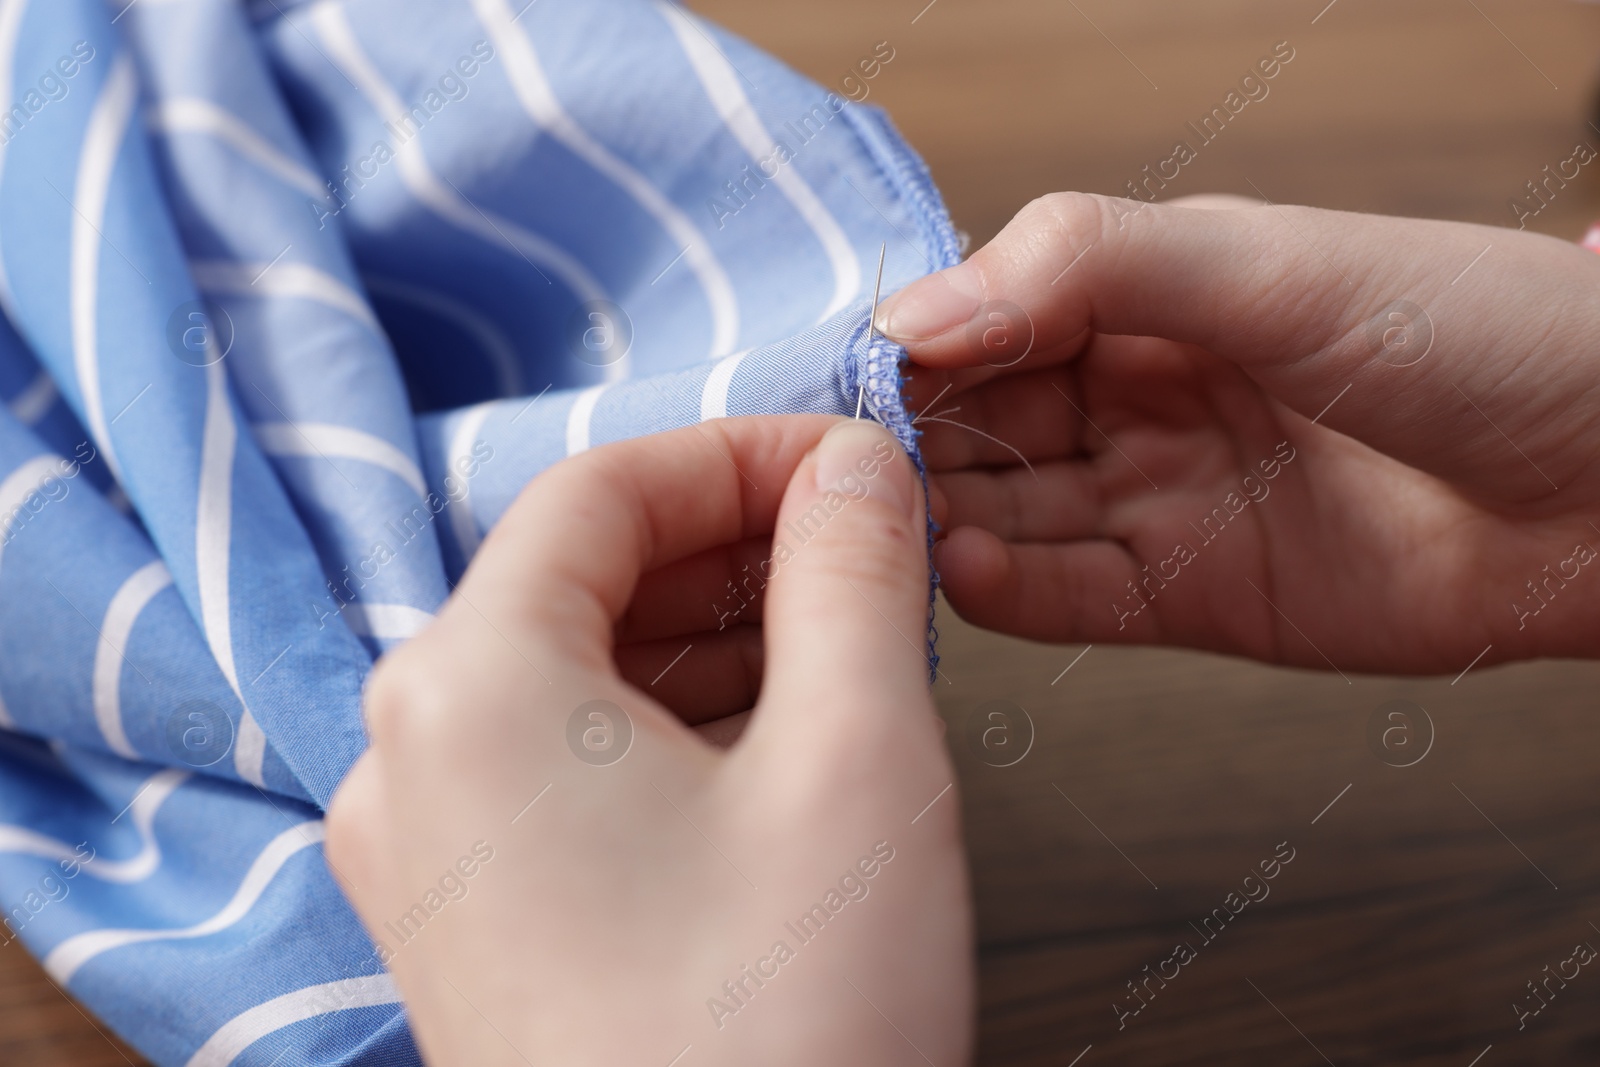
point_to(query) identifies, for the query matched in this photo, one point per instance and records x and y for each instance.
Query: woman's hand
(634, 892)
(1310, 437)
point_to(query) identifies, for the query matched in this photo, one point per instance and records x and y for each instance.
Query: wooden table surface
(1419, 904)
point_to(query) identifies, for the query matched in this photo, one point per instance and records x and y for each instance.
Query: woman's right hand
(1310, 437)
(799, 898)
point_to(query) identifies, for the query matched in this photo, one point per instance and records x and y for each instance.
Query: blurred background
(1442, 860)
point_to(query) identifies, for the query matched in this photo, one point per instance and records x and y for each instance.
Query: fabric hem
(878, 368)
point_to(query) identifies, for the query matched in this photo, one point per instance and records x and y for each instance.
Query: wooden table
(1423, 899)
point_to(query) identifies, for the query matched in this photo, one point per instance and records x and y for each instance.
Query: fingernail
(858, 458)
(930, 306)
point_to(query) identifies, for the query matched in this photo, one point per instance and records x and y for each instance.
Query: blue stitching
(910, 177)
(883, 359)
(885, 401)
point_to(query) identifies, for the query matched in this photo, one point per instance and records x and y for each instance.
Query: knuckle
(398, 690)
(341, 825)
(1073, 221)
(1048, 233)
(349, 822)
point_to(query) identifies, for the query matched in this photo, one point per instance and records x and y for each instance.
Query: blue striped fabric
(296, 297)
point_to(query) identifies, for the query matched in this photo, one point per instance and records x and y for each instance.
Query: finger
(1073, 262)
(928, 385)
(1003, 422)
(1043, 414)
(560, 566)
(938, 505)
(1301, 299)
(713, 675)
(847, 602)
(1049, 502)
(358, 848)
(710, 590)
(1059, 593)
(1215, 202)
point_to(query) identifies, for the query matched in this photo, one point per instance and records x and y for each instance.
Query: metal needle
(872, 322)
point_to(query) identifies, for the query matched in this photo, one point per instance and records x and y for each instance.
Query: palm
(668, 867)
(1139, 451)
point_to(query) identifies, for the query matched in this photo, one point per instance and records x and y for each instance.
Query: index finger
(563, 561)
(1308, 303)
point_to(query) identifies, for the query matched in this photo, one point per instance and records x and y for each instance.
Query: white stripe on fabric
(66, 958)
(115, 629)
(11, 12)
(496, 345)
(21, 484)
(714, 397)
(15, 491)
(213, 546)
(325, 439)
(294, 280)
(580, 416)
(102, 141)
(327, 17)
(462, 522)
(147, 801)
(33, 403)
(193, 114)
(539, 101)
(385, 622)
(721, 83)
(245, 1029)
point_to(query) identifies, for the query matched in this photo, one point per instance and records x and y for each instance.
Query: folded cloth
(296, 297)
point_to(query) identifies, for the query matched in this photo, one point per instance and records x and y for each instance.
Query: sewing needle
(872, 322)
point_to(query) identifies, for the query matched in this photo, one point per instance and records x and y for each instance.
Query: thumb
(1307, 302)
(846, 613)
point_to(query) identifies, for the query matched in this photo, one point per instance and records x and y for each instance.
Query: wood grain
(1419, 904)
(41, 1025)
